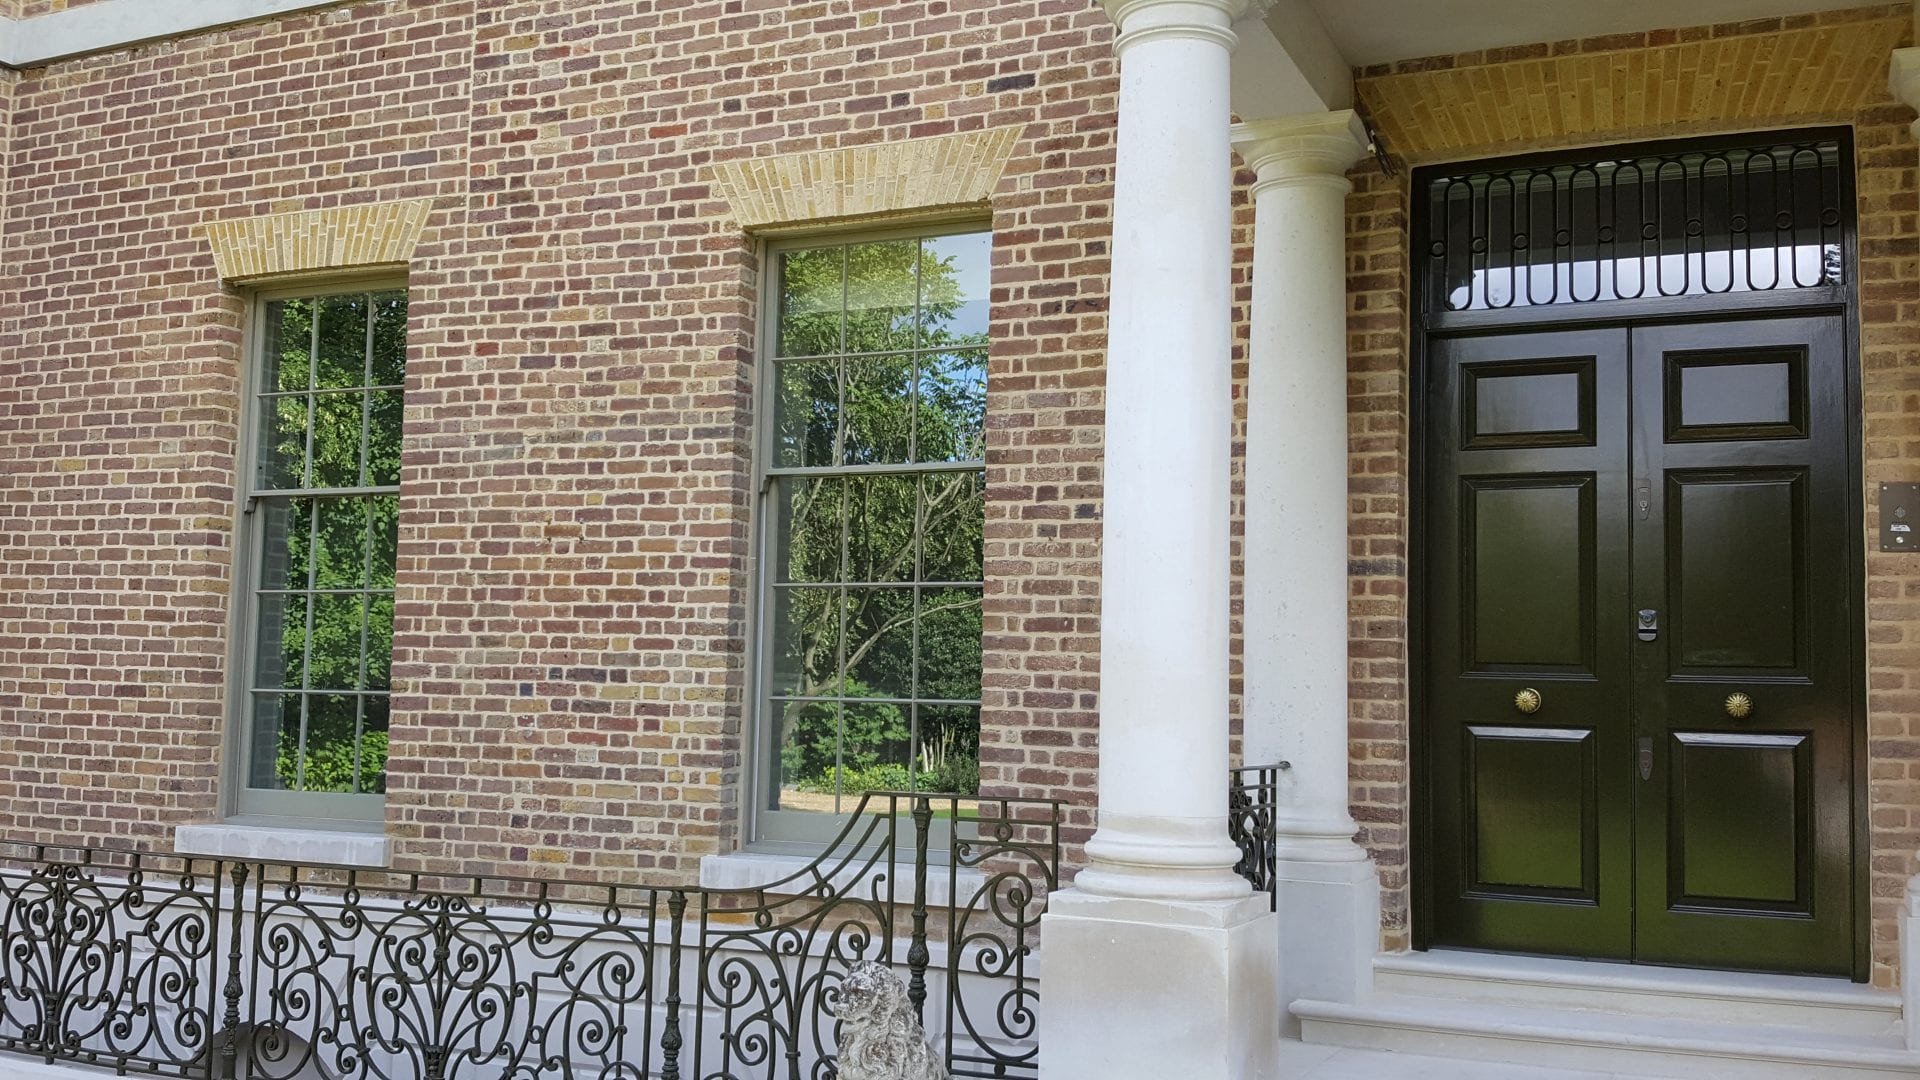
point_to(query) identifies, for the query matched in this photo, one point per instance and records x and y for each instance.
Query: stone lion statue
(879, 1037)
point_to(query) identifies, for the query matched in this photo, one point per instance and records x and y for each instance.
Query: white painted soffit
(117, 24)
(1371, 32)
(1287, 64)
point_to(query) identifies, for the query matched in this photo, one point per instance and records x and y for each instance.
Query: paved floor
(1301, 1062)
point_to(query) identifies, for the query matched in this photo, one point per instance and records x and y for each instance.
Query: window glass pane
(379, 643)
(336, 440)
(806, 632)
(276, 725)
(384, 411)
(284, 528)
(280, 646)
(892, 370)
(882, 282)
(812, 288)
(333, 660)
(383, 519)
(389, 338)
(952, 414)
(879, 404)
(806, 751)
(807, 534)
(288, 343)
(324, 605)
(340, 560)
(880, 643)
(880, 528)
(954, 272)
(328, 764)
(947, 755)
(949, 651)
(373, 744)
(807, 413)
(283, 443)
(876, 747)
(342, 358)
(955, 511)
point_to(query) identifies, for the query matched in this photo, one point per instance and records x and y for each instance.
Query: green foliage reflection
(331, 421)
(882, 362)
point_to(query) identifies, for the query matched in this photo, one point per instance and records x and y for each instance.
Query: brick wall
(1378, 440)
(1739, 77)
(570, 635)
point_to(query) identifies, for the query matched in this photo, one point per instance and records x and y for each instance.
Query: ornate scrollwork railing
(1252, 803)
(209, 970)
(109, 957)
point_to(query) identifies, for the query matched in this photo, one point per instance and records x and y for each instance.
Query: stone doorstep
(1821, 1004)
(1602, 1017)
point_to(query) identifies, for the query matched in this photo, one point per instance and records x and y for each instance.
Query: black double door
(1640, 673)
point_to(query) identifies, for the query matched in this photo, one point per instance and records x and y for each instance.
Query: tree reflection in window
(877, 508)
(325, 495)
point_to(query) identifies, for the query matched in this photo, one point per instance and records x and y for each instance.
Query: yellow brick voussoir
(1819, 73)
(877, 181)
(310, 241)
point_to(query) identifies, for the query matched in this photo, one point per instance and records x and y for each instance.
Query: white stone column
(1903, 74)
(1294, 651)
(1910, 960)
(1158, 962)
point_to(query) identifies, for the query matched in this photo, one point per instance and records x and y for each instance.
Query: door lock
(1648, 626)
(1646, 759)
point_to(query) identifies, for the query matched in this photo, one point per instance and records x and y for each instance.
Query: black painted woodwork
(1574, 478)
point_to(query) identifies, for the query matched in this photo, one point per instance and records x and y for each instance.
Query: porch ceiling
(1381, 31)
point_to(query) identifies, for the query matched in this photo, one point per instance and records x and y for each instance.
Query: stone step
(1830, 1005)
(1602, 1041)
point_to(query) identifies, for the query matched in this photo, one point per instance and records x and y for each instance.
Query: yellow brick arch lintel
(1808, 74)
(368, 235)
(875, 181)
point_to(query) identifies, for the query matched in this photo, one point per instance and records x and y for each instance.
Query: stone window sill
(757, 870)
(284, 844)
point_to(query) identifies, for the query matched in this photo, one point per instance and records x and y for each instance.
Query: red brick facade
(574, 598)
(570, 642)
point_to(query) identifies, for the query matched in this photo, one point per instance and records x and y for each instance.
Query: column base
(1910, 955)
(1148, 989)
(1329, 932)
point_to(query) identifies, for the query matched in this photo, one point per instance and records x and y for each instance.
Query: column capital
(1306, 147)
(1903, 76)
(1203, 20)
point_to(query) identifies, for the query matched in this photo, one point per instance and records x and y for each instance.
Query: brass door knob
(1739, 706)
(1527, 701)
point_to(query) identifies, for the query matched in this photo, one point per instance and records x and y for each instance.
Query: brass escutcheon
(1527, 701)
(1739, 706)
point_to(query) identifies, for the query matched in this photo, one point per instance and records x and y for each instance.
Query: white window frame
(803, 832)
(243, 803)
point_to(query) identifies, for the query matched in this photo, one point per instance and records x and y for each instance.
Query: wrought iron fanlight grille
(1692, 223)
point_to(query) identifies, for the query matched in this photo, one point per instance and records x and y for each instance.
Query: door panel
(1744, 829)
(1673, 793)
(1738, 611)
(1530, 793)
(1531, 827)
(1742, 819)
(1527, 547)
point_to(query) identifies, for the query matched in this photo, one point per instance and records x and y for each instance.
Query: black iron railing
(176, 966)
(179, 966)
(1252, 802)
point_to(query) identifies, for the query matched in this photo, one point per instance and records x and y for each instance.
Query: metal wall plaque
(1900, 517)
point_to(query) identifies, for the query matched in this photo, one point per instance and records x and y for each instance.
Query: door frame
(1424, 326)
